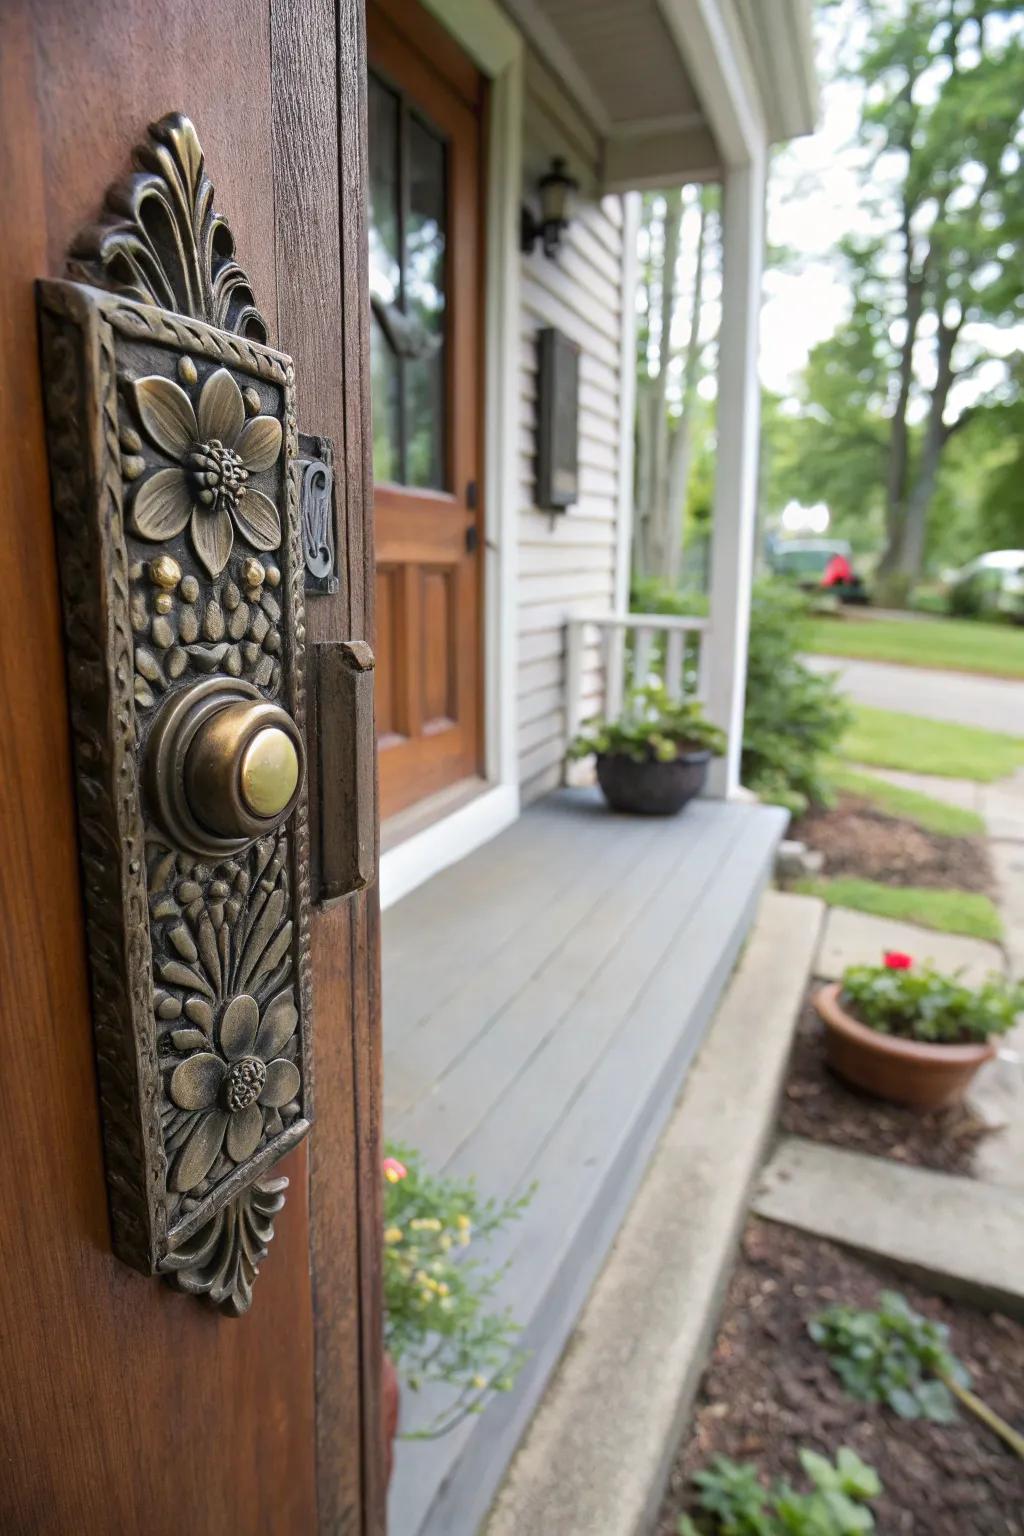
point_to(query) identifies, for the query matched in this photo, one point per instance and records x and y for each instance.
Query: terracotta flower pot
(904, 1071)
(651, 788)
(390, 1393)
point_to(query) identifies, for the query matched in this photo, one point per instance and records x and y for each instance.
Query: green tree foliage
(936, 275)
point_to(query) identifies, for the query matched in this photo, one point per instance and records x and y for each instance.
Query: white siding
(566, 560)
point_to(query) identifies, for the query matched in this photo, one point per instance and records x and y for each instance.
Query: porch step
(542, 1002)
(595, 1459)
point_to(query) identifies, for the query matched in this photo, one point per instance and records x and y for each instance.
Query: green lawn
(882, 739)
(960, 645)
(946, 911)
(933, 815)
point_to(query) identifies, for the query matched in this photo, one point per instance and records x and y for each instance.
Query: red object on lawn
(896, 960)
(838, 572)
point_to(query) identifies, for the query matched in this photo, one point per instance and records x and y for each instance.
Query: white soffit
(638, 70)
(779, 39)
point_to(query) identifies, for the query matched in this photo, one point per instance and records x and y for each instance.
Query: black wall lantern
(556, 188)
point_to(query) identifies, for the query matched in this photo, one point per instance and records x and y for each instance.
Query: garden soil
(768, 1390)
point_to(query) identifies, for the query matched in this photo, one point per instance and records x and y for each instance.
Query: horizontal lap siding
(566, 562)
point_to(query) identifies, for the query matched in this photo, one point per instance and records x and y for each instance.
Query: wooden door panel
(123, 1405)
(428, 528)
(439, 609)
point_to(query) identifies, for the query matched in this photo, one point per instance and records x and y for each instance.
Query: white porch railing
(666, 645)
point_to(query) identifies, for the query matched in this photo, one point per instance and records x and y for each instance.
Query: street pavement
(994, 703)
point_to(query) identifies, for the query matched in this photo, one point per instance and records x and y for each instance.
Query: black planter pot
(651, 788)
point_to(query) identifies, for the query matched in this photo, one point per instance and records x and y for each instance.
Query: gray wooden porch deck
(542, 1001)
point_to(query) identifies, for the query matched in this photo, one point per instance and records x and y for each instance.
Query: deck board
(549, 1046)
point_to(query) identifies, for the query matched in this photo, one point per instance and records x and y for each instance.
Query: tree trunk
(681, 450)
(660, 434)
(652, 415)
(915, 521)
(896, 485)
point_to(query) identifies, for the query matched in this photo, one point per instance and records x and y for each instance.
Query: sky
(814, 198)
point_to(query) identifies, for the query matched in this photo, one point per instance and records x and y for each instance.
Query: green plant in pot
(440, 1329)
(906, 1032)
(655, 756)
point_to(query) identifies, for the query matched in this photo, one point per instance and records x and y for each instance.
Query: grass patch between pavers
(933, 815)
(881, 738)
(964, 912)
(959, 645)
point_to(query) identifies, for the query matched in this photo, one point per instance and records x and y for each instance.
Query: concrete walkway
(995, 703)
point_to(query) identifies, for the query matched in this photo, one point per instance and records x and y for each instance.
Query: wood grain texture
(320, 181)
(123, 1406)
(421, 535)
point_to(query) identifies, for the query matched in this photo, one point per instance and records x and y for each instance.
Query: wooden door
(425, 108)
(126, 1406)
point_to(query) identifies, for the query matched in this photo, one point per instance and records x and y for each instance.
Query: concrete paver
(965, 794)
(859, 938)
(966, 1237)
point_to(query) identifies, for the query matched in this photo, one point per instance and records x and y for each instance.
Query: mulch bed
(859, 840)
(818, 1105)
(769, 1390)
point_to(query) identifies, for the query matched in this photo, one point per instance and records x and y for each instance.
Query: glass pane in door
(385, 262)
(425, 306)
(408, 277)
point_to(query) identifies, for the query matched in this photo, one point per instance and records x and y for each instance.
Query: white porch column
(736, 458)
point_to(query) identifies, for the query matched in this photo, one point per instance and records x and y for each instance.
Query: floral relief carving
(225, 1012)
(214, 450)
(180, 563)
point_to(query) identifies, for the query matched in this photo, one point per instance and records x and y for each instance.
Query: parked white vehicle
(992, 583)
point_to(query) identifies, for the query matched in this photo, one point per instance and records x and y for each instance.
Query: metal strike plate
(345, 858)
(316, 500)
(172, 443)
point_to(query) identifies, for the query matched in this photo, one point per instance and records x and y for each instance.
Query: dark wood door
(126, 1406)
(425, 106)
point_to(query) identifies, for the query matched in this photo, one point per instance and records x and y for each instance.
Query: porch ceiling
(630, 67)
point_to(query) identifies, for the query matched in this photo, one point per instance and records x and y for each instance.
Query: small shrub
(653, 727)
(739, 1505)
(793, 717)
(436, 1324)
(893, 1356)
(919, 1003)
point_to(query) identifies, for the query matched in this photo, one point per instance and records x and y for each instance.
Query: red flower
(896, 960)
(393, 1170)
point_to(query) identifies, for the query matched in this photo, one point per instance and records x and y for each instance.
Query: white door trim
(445, 842)
(496, 48)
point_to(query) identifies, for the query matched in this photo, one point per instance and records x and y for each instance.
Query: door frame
(496, 48)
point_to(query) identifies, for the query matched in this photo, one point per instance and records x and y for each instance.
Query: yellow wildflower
(463, 1222)
(393, 1235)
(479, 1382)
(426, 1224)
